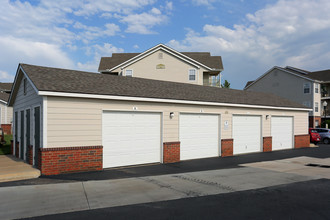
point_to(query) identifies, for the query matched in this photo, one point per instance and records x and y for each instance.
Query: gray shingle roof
(4, 96)
(323, 75)
(71, 81)
(248, 83)
(201, 57)
(5, 86)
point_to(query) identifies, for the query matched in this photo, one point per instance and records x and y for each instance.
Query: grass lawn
(5, 149)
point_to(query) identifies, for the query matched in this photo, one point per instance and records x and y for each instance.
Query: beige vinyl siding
(6, 114)
(78, 121)
(176, 70)
(29, 100)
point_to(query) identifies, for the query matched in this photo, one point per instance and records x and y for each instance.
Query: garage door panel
(199, 136)
(282, 132)
(131, 138)
(246, 134)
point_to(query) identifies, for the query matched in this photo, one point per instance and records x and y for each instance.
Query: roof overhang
(16, 83)
(145, 99)
(156, 48)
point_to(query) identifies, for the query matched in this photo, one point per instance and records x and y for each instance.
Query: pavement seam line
(82, 183)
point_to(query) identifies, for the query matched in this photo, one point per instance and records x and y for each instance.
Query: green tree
(226, 84)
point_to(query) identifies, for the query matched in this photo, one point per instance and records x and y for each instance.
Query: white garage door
(199, 136)
(246, 134)
(130, 138)
(282, 133)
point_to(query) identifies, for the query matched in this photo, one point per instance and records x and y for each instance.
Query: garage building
(72, 121)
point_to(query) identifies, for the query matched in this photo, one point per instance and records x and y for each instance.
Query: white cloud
(93, 32)
(5, 77)
(144, 22)
(98, 51)
(286, 33)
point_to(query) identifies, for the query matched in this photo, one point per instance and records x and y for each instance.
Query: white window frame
(316, 107)
(309, 88)
(131, 72)
(193, 80)
(316, 88)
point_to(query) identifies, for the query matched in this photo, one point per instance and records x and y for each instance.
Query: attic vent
(160, 55)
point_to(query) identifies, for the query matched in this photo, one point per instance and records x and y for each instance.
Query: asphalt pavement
(302, 200)
(322, 151)
(246, 186)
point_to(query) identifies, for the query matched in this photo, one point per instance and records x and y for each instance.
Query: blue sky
(251, 36)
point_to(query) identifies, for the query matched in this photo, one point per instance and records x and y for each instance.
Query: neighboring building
(70, 121)
(163, 63)
(6, 113)
(312, 89)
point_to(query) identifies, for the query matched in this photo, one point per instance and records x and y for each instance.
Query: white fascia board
(15, 81)
(143, 99)
(156, 48)
(279, 68)
(4, 102)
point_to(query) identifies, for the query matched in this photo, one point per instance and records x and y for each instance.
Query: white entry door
(199, 136)
(246, 134)
(282, 132)
(130, 138)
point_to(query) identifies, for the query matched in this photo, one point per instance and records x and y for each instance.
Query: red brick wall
(301, 141)
(171, 152)
(53, 161)
(267, 144)
(227, 147)
(17, 150)
(6, 128)
(30, 155)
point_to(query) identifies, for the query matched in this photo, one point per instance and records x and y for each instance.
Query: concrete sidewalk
(12, 169)
(38, 200)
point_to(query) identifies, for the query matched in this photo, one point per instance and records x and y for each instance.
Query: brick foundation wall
(6, 128)
(267, 144)
(227, 147)
(301, 141)
(53, 161)
(171, 152)
(17, 150)
(29, 155)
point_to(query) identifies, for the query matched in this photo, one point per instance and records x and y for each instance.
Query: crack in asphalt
(162, 185)
(201, 181)
(82, 183)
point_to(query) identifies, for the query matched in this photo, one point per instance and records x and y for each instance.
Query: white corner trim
(143, 99)
(281, 69)
(44, 121)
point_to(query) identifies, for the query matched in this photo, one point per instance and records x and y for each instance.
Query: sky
(251, 36)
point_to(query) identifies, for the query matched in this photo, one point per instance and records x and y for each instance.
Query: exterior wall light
(171, 114)
(267, 116)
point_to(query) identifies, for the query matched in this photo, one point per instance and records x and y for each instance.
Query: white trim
(44, 121)
(4, 102)
(282, 69)
(165, 48)
(15, 81)
(129, 70)
(129, 98)
(310, 88)
(195, 80)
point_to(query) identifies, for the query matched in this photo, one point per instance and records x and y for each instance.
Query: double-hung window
(316, 88)
(307, 87)
(192, 75)
(316, 107)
